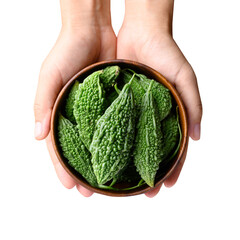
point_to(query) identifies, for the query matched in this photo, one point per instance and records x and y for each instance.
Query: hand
(81, 42)
(146, 38)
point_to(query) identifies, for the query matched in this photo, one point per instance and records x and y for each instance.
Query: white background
(205, 202)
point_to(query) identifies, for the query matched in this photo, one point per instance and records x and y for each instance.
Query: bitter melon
(109, 76)
(148, 152)
(172, 137)
(89, 105)
(70, 101)
(113, 138)
(138, 90)
(74, 150)
(101, 117)
(170, 131)
(160, 93)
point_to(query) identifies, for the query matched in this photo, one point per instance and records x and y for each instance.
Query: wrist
(78, 14)
(157, 14)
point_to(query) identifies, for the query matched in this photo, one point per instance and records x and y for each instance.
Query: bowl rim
(142, 68)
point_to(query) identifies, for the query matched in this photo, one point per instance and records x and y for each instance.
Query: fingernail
(38, 130)
(196, 131)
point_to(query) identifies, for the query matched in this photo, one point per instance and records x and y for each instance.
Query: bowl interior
(139, 68)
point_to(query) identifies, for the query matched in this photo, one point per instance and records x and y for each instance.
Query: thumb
(186, 84)
(49, 85)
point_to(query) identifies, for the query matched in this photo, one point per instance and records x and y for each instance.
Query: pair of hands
(78, 47)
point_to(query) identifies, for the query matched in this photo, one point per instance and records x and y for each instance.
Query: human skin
(146, 37)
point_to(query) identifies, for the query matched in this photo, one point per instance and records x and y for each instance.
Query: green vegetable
(171, 134)
(149, 139)
(70, 101)
(99, 136)
(113, 138)
(138, 90)
(109, 76)
(160, 93)
(74, 150)
(88, 107)
(172, 138)
(140, 85)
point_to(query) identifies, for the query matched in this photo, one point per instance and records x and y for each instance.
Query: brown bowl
(139, 68)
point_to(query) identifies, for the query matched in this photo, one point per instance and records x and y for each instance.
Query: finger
(172, 179)
(63, 176)
(49, 85)
(186, 84)
(154, 192)
(84, 191)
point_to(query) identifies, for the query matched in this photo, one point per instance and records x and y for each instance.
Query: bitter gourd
(138, 90)
(109, 76)
(89, 105)
(172, 138)
(148, 151)
(170, 131)
(113, 138)
(109, 135)
(160, 93)
(74, 150)
(70, 101)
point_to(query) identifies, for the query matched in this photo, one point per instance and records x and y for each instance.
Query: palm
(153, 49)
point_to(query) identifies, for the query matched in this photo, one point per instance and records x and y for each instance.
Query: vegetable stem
(140, 183)
(130, 82)
(117, 89)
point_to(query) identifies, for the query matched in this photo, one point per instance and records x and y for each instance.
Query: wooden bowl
(139, 68)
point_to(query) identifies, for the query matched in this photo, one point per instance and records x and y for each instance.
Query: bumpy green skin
(113, 138)
(109, 76)
(138, 90)
(149, 140)
(70, 102)
(74, 150)
(160, 93)
(171, 134)
(88, 107)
